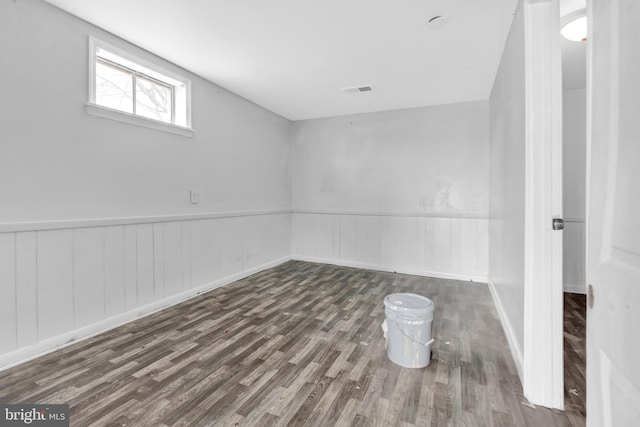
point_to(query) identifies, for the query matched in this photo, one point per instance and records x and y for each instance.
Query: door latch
(558, 224)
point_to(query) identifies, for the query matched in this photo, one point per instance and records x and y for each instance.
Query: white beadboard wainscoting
(452, 247)
(574, 254)
(64, 281)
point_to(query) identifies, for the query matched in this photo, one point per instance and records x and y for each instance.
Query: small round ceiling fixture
(574, 26)
(438, 22)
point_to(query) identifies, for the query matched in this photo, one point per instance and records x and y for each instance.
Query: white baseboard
(575, 289)
(25, 354)
(508, 330)
(363, 265)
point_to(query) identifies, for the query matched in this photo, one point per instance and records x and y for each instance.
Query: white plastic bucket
(408, 329)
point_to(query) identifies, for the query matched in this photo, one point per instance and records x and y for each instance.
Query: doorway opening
(574, 185)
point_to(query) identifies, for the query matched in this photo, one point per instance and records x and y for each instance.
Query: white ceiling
(570, 6)
(292, 56)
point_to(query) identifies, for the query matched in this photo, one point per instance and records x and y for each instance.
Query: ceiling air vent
(357, 89)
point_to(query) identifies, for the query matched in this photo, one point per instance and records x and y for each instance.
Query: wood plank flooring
(299, 344)
(575, 332)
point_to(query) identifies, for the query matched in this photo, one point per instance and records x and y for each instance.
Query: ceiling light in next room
(574, 26)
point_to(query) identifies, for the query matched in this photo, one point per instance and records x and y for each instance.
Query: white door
(613, 218)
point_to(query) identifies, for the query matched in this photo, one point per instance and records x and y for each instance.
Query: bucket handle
(431, 341)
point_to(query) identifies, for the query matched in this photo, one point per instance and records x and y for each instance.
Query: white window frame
(148, 70)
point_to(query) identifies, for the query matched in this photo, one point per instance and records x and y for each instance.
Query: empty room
(349, 213)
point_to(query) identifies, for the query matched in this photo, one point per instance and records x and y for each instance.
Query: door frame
(543, 353)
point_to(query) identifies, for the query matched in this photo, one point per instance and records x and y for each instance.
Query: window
(130, 89)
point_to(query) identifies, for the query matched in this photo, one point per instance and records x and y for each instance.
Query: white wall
(387, 161)
(404, 190)
(506, 230)
(59, 163)
(95, 222)
(574, 165)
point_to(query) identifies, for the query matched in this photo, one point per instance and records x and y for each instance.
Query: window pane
(114, 87)
(153, 100)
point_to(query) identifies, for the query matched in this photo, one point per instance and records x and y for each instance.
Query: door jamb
(543, 370)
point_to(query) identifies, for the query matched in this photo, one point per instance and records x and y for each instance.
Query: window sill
(109, 113)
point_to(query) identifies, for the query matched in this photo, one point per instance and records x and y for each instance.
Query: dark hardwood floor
(575, 330)
(299, 344)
